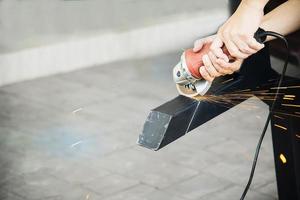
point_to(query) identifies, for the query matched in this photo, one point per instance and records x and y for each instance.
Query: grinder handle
(194, 59)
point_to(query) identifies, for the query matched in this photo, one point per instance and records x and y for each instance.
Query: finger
(233, 49)
(243, 46)
(198, 44)
(216, 48)
(209, 67)
(254, 44)
(205, 74)
(235, 66)
(224, 66)
(213, 59)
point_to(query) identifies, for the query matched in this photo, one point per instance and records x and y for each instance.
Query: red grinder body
(194, 59)
(186, 74)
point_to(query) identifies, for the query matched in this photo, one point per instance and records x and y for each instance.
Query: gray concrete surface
(31, 23)
(72, 136)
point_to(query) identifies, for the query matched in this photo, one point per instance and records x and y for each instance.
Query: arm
(284, 19)
(237, 32)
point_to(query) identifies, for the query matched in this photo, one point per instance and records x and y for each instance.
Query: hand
(213, 66)
(238, 31)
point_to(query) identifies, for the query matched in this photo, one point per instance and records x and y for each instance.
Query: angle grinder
(186, 74)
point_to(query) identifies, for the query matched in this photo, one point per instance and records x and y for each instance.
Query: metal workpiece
(180, 115)
(161, 126)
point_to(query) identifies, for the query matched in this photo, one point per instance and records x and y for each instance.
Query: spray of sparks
(284, 98)
(234, 98)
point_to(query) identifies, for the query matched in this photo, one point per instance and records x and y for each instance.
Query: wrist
(257, 4)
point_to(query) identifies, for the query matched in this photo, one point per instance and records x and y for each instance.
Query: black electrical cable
(281, 37)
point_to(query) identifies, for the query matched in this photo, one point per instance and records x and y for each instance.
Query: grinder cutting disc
(199, 89)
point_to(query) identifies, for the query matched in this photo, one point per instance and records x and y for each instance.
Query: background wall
(40, 37)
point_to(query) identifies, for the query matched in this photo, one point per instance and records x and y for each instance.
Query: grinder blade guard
(186, 83)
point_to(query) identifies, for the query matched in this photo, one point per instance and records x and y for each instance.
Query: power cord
(281, 37)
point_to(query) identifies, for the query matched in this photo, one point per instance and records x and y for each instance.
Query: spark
(278, 88)
(286, 87)
(278, 117)
(261, 92)
(226, 81)
(236, 97)
(76, 143)
(291, 105)
(282, 158)
(244, 90)
(287, 114)
(289, 96)
(77, 110)
(286, 98)
(279, 126)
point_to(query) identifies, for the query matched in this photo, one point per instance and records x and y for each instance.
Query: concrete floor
(72, 136)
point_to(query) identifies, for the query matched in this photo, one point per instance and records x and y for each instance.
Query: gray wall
(27, 23)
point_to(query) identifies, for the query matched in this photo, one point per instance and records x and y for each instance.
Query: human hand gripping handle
(196, 57)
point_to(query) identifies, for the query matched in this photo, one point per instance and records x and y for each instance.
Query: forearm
(284, 19)
(258, 4)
